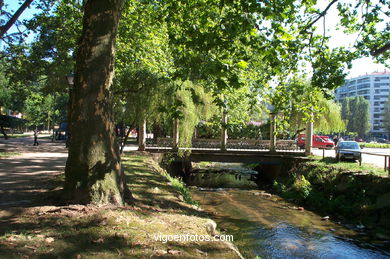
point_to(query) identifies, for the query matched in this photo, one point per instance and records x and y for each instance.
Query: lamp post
(272, 115)
(224, 133)
(70, 80)
(309, 136)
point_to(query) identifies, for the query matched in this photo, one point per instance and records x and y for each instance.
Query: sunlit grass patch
(349, 165)
(4, 154)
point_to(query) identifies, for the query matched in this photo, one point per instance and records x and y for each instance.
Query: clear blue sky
(360, 66)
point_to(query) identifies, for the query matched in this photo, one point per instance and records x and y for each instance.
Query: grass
(349, 165)
(78, 231)
(375, 145)
(17, 135)
(8, 154)
(345, 191)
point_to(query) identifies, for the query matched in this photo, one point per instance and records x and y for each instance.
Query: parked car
(382, 140)
(318, 141)
(348, 150)
(359, 139)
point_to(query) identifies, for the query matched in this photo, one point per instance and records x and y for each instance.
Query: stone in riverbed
(211, 227)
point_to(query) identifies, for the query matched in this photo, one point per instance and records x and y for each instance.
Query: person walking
(335, 140)
(36, 137)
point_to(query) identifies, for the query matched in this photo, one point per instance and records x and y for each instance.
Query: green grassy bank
(375, 145)
(354, 195)
(77, 231)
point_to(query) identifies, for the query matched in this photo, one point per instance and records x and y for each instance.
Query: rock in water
(211, 227)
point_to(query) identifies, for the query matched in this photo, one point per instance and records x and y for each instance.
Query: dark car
(348, 150)
(382, 140)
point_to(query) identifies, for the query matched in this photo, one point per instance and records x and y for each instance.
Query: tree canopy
(182, 59)
(356, 113)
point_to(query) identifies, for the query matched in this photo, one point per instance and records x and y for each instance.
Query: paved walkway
(25, 177)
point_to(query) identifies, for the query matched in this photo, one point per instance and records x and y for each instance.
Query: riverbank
(355, 196)
(138, 230)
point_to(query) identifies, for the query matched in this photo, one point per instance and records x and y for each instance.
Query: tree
(213, 44)
(93, 169)
(326, 114)
(9, 122)
(36, 109)
(345, 111)
(356, 114)
(387, 116)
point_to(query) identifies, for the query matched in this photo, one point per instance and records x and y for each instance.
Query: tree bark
(93, 170)
(123, 144)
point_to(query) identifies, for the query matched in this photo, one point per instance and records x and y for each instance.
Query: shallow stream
(267, 226)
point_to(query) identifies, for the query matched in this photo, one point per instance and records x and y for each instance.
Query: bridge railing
(238, 144)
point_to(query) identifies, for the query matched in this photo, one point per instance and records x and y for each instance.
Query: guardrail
(386, 156)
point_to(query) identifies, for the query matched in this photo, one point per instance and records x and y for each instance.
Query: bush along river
(265, 225)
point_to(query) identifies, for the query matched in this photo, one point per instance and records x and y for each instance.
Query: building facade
(375, 88)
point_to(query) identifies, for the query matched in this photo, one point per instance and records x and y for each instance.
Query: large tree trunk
(93, 169)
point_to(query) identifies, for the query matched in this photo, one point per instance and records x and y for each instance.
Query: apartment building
(375, 88)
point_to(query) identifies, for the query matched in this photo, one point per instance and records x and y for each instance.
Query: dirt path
(25, 177)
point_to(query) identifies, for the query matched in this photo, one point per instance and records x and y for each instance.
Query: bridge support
(224, 135)
(142, 136)
(175, 135)
(309, 138)
(272, 134)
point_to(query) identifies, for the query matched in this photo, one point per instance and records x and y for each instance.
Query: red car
(318, 141)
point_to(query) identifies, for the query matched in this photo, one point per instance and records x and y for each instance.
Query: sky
(359, 67)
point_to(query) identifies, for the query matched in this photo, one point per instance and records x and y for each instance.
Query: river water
(267, 226)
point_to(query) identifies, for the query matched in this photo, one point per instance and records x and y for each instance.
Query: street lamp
(70, 79)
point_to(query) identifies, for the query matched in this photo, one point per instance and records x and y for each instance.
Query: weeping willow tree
(301, 102)
(192, 104)
(326, 119)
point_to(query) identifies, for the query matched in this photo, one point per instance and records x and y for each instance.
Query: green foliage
(178, 184)
(49, 56)
(333, 190)
(8, 154)
(387, 115)
(302, 187)
(375, 145)
(328, 120)
(182, 189)
(193, 105)
(300, 102)
(230, 50)
(373, 39)
(355, 111)
(36, 110)
(11, 122)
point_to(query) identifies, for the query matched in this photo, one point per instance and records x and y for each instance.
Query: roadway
(368, 159)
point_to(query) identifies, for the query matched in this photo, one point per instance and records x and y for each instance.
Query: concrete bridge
(280, 159)
(269, 165)
(223, 153)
